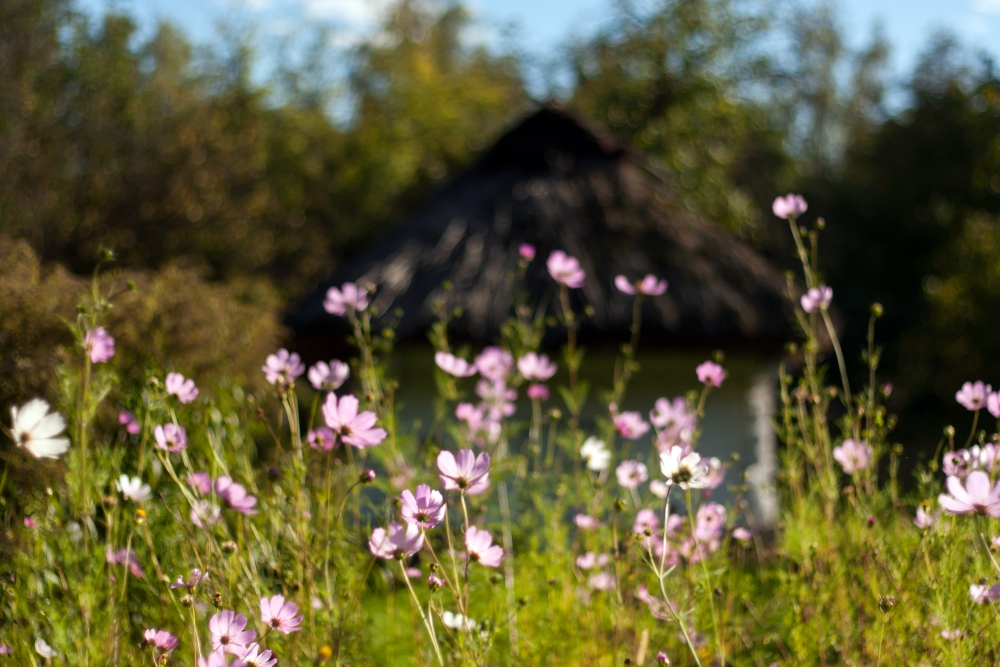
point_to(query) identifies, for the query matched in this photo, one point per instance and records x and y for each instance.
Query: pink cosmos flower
(354, 428)
(100, 346)
(976, 497)
(710, 522)
(538, 392)
(586, 522)
(590, 560)
(480, 547)
(527, 251)
(124, 557)
(30, 523)
(5, 649)
(425, 508)
(957, 463)
(716, 473)
(128, 420)
(924, 520)
(254, 657)
(711, 374)
(659, 489)
(536, 367)
(467, 472)
(983, 593)
(229, 633)
(200, 482)
(170, 437)
(181, 387)
(161, 639)
(280, 615)
(631, 425)
(817, 298)
(853, 455)
(321, 438)
(789, 206)
(495, 364)
(236, 496)
(952, 635)
(394, 542)
(631, 474)
(650, 285)
(647, 522)
(993, 404)
(742, 535)
(204, 514)
(601, 581)
(565, 269)
(215, 659)
(973, 396)
(349, 296)
(283, 367)
(328, 376)
(193, 580)
(434, 582)
(661, 658)
(454, 366)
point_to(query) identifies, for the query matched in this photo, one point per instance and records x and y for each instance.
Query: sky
(541, 26)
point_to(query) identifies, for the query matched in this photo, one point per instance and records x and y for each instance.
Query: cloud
(986, 6)
(355, 13)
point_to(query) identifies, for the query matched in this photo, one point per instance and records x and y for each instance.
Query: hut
(558, 181)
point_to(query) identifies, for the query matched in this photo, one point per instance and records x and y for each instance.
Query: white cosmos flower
(37, 430)
(457, 621)
(596, 454)
(685, 470)
(133, 489)
(42, 648)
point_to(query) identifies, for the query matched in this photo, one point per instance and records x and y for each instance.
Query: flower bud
(619, 504)
(662, 659)
(325, 652)
(187, 599)
(877, 309)
(367, 476)
(217, 599)
(228, 546)
(886, 603)
(949, 432)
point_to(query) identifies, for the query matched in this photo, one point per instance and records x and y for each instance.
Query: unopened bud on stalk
(367, 476)
(228, 546)
(662, 659)
(619, 504)
(187, 599)
(217, 599)
(949, 432)
(589, 311)
(434, 583)
(110, 501)
(886, 603)
(877, 309)
(820, 223)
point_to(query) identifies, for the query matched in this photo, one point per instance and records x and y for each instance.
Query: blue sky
(542, 25)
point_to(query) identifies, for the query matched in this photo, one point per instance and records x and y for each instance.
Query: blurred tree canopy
(183, 157)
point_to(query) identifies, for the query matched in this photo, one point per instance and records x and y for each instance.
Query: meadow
(306, 525)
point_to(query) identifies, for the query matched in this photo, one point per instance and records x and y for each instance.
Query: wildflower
(975, 497)
(354, 428)
(38, 430)
(99, 345)
(254, 657)
(710, 374)
(495, 364)
(124, 557)
(983, 593)
(631, 425)
(957, 464)
(128, 420)
(480, 547)
(468, 472)
(5, 649)
(454, 366)
(236, 496)
(133, 488)
(993, 404)
(328, 376)
(952, 635)
(789, 206)
(586, 522)
(161, 639)
(435, 583)
(457, 621)
(201, 482)
(647, 522)
(425, 508)
(367, 476)
(631, 474)
(536, 367)
(853, 455)
(283, 367)
(716, 473)
(394, 542)
(924, 520)
(671, 414)
(280, 615)
(601, 581)
(685, 469)
(662, 659)
(538, 392)
(742, 535)
(348, 297)
(229, 633)
(414, 573)
(29, 522)
(657, 606)
(43, 649)
(659, 489)
(973, 396)
(527, 251)
(194, 579)
(181, 387)
(590, 560)
(710, 522)
(215, 659)
(170, 437)
(596, 454)
(205, 514)
(817, 298)
(650, 285)
(565, 269)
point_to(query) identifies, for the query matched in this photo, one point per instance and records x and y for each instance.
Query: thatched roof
(558, 182)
